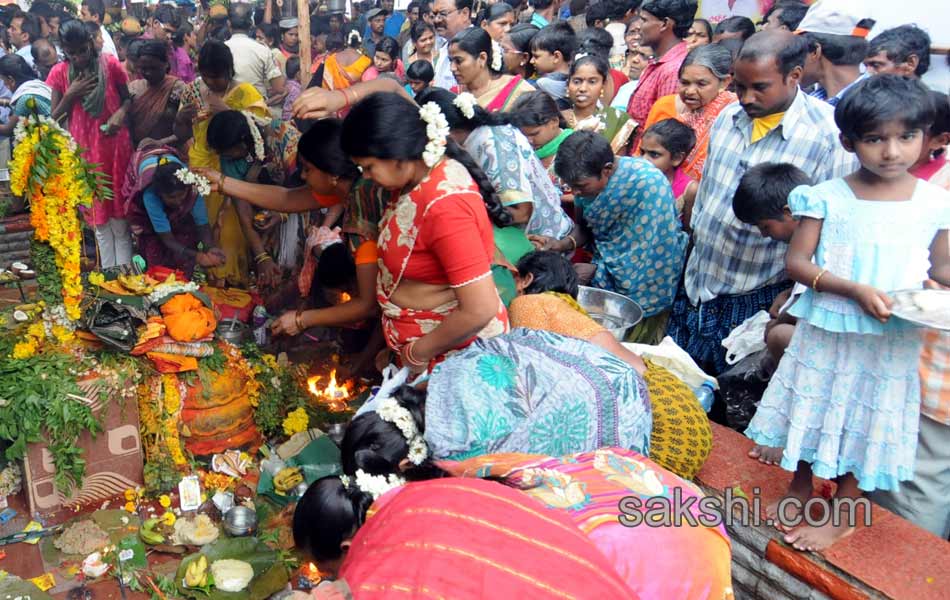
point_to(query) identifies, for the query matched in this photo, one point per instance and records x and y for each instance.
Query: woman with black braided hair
(435, 245)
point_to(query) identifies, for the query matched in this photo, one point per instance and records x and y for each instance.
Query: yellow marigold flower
(270, 360)
(296, 421)
(62, 334)
(164, 500)
(37, 330)
(130, 495)
(24, 350)
(129, 507)
(97, 278)
(168, 519)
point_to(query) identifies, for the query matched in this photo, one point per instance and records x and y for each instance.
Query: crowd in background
(455, 171)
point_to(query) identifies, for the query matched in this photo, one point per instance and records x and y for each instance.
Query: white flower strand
(377, 485)
(201, 184)
(466, 103)
(256, 134)
(391, 411)
(437, 130)
(496, 54)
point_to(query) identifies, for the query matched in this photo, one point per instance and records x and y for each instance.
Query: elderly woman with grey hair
(703, 93)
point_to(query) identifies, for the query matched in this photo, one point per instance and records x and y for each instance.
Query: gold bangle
(298, 320)
(814, 282)
(221, 179)
(573, 242)
(262, 257)
(412, 359)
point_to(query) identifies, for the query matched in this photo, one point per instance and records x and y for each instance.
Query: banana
(287, 479)
(135, 284)
(196, 575)
(148, 534)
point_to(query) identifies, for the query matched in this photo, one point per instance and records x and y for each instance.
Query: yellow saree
(223, 215)
(338, 77)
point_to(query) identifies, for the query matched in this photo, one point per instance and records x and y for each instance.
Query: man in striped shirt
(734, 272)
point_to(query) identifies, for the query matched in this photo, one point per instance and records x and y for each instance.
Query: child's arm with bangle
(798, 262)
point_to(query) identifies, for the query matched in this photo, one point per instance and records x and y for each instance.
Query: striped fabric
(729, 256)
(935, 376)
(469, 539)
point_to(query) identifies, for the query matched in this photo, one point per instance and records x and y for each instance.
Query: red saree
(473, 539)
(438, 233)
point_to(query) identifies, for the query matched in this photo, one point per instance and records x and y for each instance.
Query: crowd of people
(445, 178)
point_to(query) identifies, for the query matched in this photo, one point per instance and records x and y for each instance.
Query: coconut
(18, 266)
(20, 317)
(93, 566)
(231, 575)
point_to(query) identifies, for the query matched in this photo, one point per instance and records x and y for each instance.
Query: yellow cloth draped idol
(224, 218)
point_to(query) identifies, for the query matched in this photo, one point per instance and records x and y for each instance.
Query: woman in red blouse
(435, 244)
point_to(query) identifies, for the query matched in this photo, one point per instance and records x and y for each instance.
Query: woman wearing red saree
(436, 244)
(477, 63)
(702, 94)
(465, 539)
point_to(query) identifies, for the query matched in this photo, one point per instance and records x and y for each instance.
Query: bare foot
(766, 454)
(814, 539)
(784, 511)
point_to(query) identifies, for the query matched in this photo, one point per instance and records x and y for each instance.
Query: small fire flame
(313, 574)
(344, 297)
(333, 394)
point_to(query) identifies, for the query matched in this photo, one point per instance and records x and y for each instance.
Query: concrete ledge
(891, 559)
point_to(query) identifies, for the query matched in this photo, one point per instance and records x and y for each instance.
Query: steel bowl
(617, 313)
(233, 331)
(240, 521)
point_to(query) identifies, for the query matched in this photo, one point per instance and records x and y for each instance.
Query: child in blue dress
(844, 402)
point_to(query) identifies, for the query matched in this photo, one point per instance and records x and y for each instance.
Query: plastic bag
(742, 386)
(746, 339)
(114, 323)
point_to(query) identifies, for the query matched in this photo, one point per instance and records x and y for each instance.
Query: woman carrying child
(844, 402)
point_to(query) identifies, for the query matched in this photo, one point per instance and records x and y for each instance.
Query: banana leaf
(319, 458)
(14, 587)
(270, 575)
(109, 520)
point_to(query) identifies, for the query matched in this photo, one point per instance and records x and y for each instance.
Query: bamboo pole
(303, 30)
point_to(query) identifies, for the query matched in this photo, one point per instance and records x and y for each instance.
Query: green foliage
(160, 475)
(42, 403)
(48, 282)
(281, 392)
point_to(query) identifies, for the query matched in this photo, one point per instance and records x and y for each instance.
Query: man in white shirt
(449, 17)
(94, 11)
(254, 63)
(24, 29)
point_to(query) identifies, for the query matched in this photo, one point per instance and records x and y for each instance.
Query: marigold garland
(48, 170)
(159, 416)
(237, 362)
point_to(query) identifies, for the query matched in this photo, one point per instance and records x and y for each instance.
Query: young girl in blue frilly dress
(844, 402)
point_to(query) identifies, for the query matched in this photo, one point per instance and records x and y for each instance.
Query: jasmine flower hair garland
(466, 103)
(201, 184)
(391, 411)
(374, 485)
(437, 130)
